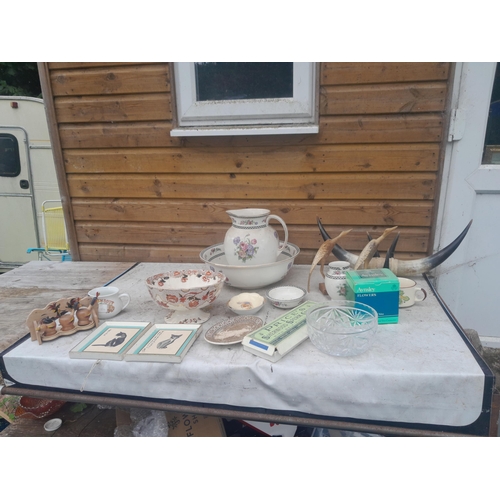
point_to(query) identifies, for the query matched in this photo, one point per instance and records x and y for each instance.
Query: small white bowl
(246, 303)
(52, 425)
(286, 297)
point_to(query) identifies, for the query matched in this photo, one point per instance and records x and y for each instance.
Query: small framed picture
(165, 343)
(111, 340)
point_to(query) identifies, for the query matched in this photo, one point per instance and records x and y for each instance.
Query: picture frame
(111, 340)
(164, 343)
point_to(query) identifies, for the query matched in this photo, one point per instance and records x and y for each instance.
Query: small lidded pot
(335, 279)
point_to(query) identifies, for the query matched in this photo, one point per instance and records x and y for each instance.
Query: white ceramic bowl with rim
(246, 277)
(286, 297)
(184, 292)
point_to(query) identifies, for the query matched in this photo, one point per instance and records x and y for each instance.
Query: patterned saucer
(232, 331)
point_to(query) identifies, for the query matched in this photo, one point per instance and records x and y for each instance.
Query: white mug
(110, 301)
(409, 292)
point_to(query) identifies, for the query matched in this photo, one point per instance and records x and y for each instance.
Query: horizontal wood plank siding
(157, 253)
(342, 212)
(270, 159)
(154, 233)
(138, 194)
(257, 186)
(116, 80)
(380, 72)
(80, 65)
(375, 99)
(119, 135)
(132, 107)
(333, 130)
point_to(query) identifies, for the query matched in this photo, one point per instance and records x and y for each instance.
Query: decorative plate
(232, 331)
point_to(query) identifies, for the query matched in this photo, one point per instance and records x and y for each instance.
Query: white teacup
(110, 301)
(409, 292)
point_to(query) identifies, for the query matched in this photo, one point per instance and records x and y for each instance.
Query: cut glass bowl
(342, 327)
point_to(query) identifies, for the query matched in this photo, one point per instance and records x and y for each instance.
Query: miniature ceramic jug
(250, 240)
(335, 280)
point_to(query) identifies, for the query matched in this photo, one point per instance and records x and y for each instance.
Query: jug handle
(282, 222)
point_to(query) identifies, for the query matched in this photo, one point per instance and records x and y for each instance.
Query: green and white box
(280, 336)
(378, 288)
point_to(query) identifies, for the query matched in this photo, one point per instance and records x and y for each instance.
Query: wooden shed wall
(134, 193)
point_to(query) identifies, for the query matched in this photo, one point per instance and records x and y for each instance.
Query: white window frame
(295, 115)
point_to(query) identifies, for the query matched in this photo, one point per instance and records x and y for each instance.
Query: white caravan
(27, 177)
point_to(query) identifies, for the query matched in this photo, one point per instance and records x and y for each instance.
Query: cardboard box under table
(377, 288)
(421, 373)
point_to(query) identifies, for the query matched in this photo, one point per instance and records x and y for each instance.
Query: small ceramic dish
(52, 425)
(246, 303)
(286, 297)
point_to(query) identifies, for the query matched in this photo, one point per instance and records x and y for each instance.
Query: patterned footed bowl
(342, 327)
(185, 292)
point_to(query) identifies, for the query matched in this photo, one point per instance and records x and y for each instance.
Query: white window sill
(220, 131)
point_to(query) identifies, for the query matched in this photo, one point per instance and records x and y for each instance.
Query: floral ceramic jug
(335, 279)
(250, 240)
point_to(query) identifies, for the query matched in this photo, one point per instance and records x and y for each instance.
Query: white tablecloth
(419, 371)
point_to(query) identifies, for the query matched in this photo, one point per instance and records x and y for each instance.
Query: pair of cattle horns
(397, 266)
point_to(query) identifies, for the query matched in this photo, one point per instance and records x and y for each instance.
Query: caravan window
(10, 164)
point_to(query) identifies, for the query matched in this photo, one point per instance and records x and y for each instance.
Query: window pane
(230, 81)
(10, 165)
(492, 140)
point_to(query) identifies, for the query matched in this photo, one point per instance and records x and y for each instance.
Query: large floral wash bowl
(249, 276)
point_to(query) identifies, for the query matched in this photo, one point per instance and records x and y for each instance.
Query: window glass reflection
(217, 81)
(492, 140)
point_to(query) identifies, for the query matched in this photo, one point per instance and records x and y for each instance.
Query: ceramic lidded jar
(250, 240)
(335, 279)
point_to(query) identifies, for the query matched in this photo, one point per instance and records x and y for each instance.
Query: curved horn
(402, 267)
(390, 253)
(419, 266)
(338, 251)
